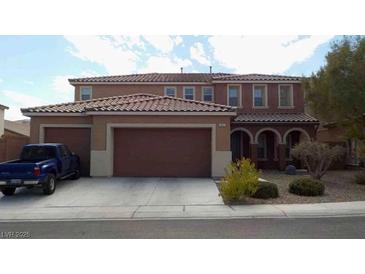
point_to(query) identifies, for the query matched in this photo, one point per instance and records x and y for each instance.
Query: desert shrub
(306, 187)
(241, 180)
(360, 178)
(317, 157)
(266, 190)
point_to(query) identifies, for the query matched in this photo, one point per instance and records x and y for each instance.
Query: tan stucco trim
(296, 129)
(219, 159)
(43, 126)
(277, 133)
(246, 131)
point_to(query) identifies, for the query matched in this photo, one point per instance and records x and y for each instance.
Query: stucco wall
(220, 94)
(98, 142)
(37, 121)
(101, 143)
(99, 91)
(1, 122)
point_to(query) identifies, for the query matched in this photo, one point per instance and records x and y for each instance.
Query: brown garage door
(77, 140)
(162, 152)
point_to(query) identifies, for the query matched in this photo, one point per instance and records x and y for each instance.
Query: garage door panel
(77, 140)
(162, 152)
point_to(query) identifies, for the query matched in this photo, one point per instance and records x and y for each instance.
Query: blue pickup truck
(39, 165)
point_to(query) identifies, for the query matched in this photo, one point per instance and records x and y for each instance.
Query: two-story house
(177, 124)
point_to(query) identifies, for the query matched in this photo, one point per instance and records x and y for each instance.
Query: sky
(34, 69)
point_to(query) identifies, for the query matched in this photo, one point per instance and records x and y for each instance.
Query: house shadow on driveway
(119, 191)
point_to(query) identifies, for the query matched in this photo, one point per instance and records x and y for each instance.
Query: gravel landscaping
(340, 187)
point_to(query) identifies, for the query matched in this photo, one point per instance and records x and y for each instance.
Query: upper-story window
(286, 96)
(170, 91)
(207, 94)
(260, 96)
(233, 96)
(189, 93)
(85, 93)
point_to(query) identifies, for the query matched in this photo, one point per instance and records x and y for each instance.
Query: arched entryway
(240, 144)
(291, 138)
(268, 141)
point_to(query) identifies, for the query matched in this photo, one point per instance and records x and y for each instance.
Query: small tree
(241, 180)
(317, 157)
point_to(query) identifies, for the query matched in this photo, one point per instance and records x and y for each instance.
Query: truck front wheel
(8, 191)
(50, 185)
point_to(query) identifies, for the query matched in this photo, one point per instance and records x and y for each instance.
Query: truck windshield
(38, 153)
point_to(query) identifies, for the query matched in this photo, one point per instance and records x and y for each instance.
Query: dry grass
(340, 187)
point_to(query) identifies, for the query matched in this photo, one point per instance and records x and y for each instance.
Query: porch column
(253, 153)
(281, 154)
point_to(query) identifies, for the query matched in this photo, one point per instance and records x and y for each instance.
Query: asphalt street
(265, 228)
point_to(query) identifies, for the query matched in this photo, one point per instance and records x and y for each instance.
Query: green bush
(360, 178)
(306, 187)
(241, 180)
(266, 190)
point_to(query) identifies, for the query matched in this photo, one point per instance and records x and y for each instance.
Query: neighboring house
(332, 134)
(19, 128)
(2, 115)
(14, 135)
(177, 124)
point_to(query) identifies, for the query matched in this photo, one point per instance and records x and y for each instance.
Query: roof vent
(182, 70)
(210, 69)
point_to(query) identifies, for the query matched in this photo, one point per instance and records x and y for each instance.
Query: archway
(240, 144)
(268, 140)
(291, 138)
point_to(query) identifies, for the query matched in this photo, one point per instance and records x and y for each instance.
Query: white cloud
(197, 53)
(163, 43)
(263, 54)
(178, 40)
(114, 53)
(62, 88)
(19, 100)
(165, 64)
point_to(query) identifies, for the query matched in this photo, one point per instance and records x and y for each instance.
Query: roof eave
(136, 83)
(130, 113)
(277, 122)
(256, 81)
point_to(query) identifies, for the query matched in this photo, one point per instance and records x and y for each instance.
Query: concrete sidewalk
(183, 211)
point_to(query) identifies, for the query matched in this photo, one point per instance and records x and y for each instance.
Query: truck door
(65, 160)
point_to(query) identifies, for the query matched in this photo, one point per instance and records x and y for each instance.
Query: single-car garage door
(77, 140)
(162, 152)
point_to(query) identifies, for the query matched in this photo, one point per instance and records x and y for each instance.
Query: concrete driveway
(109, 192)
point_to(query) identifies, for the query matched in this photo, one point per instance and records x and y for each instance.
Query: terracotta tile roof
(165, 104)
(275, 118)
(183, 77)
(80, 106)
(256, 77)
(19, 127)
(133, 103)
(152, 77)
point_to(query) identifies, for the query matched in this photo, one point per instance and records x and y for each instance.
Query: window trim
(91, 92)
(212, 88)
(168, 87)
(291, 96)
(239, 99)
(266, 96)
(265, 148)
(190, 87)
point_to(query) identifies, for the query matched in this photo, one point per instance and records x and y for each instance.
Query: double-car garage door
(162, 152)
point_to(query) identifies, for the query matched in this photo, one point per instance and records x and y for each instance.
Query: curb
(184, 212)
